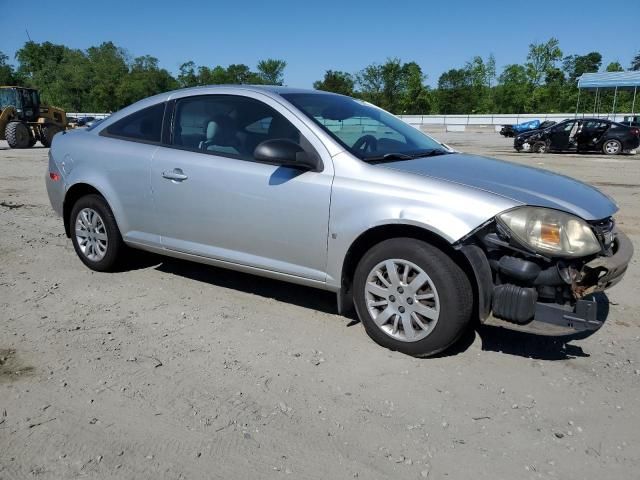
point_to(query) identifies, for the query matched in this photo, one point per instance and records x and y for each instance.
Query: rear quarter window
(143, 126)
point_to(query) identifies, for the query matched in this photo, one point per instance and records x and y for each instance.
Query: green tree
(107, 68)
(337, 82)
(187, 76)
(575, 65)
(271, 71)
(615, 67)
(416, 97)
(541, 59)
(480, 76)
(72, 85)
(241, 74)
(395, 86)
(35, 58)
(371, 83)
(392, 85)
(145, 78)
(512, 94)
(7, 75)
(635, 63)
(61, 74)
(552, 95)
(455, 95)
(216, 76)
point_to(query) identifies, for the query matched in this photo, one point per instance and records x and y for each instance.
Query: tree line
(106, 78)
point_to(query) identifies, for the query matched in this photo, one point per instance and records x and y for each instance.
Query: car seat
(221, 137)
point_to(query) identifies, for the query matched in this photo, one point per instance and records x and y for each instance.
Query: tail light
(635, 131)
(54, 176)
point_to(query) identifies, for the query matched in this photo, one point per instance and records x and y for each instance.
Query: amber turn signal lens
(550, 234)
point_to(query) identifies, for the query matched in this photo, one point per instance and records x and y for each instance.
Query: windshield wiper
(388, 157)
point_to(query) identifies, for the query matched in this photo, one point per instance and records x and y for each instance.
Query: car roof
(227, 89)
(594, 119)
(272, 89)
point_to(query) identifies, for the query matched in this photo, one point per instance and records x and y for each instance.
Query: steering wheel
(366, 143)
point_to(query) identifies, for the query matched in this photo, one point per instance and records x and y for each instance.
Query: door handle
(176, 175)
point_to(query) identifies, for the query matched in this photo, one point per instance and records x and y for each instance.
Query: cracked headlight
(551, 232)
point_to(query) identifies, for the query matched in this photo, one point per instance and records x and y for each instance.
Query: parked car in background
(513, 130)
(581, 135)
(84, 121)
(93, 122)
(328, 191)
(631, 120)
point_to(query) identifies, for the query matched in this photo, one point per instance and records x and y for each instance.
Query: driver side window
(228, 125)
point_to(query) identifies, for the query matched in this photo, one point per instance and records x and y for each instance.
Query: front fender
(365, 197)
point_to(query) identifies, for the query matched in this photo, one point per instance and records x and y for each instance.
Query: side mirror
(282, 151)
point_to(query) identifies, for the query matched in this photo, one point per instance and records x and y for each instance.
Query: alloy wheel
(612, 147)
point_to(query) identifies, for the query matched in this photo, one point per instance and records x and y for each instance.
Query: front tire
(539, 147)
(17, 135)
(95, 234)
(412, 297)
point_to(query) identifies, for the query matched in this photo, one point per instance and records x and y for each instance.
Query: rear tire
(95, 234)
(48, 131)
(420, 313)
(612, 147)
(17, 135)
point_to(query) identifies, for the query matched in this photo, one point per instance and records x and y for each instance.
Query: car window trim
(105, 133)
(171, 130)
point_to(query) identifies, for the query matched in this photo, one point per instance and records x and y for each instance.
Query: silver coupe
(330, 191)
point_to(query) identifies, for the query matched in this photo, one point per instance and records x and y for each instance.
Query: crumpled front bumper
(589, 312)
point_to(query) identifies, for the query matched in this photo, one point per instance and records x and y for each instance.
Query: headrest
(212, 129)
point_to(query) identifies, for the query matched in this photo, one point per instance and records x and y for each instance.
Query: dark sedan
(581, 135)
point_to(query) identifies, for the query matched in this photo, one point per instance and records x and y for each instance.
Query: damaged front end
(535, 290)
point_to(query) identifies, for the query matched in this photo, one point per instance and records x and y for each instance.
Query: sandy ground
(181, 371)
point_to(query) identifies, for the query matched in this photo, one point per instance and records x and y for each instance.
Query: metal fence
(500, 119)
(497, 119)
(94, 115)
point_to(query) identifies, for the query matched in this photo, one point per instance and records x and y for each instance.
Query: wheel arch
(380, 233)
(76, 191)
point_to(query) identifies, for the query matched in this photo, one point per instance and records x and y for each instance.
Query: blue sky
(319, 35)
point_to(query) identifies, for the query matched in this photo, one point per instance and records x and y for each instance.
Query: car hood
(526, 185)
(530, 133)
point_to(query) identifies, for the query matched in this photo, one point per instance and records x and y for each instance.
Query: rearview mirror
(286, 152)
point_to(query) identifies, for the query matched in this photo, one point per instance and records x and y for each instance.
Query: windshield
(368, 132)
(8, 97)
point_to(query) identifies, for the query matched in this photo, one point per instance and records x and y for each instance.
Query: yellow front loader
(24, 121)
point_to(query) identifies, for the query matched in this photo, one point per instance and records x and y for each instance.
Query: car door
(560, 135)
(593, 133)
(125, 149)
(213, 199)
